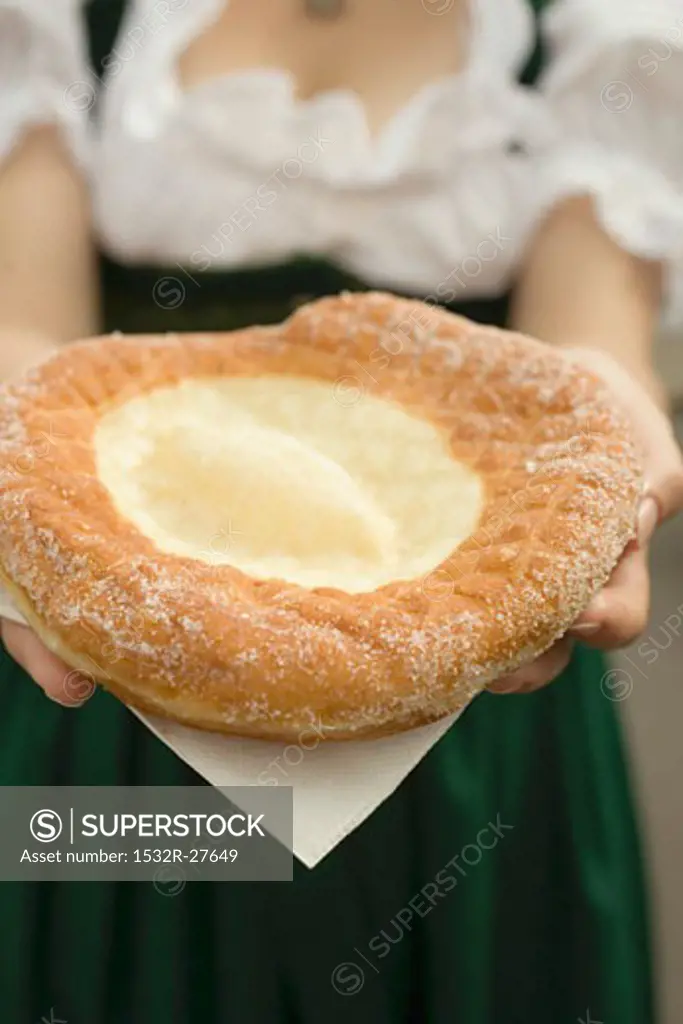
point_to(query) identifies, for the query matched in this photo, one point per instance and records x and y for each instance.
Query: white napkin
(336, 785)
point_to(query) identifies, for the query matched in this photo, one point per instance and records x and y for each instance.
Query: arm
(579, 288)
(47, 266)
(47, 297)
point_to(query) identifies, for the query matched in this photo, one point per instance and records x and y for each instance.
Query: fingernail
(585, 628)
(502, 687)
(518, 688)
(56, 700)
(648, 517)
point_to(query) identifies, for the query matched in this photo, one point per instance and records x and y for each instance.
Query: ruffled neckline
(327, 136)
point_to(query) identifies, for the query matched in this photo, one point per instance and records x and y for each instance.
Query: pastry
(353, 520)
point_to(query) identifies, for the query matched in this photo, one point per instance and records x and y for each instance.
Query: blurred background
(649, 687)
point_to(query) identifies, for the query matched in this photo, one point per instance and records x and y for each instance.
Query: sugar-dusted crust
(210, 647)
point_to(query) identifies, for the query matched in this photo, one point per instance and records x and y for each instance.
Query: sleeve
(44, 71)
(614, 86)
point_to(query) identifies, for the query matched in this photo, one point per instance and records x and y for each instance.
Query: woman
(392, 145)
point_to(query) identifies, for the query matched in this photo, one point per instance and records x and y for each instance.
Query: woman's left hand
(618, 613)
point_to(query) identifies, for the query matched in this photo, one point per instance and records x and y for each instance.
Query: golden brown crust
(209, 646)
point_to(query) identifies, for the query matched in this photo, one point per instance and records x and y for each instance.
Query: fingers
(652, 427)
(60, 683)
(663, 470)
(666, 487)
(615, 617)
(619, 613)
(540, 672)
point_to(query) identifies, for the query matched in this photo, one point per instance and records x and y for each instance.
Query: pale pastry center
(277, 476)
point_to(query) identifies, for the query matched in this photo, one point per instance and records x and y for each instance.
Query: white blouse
(239, 171)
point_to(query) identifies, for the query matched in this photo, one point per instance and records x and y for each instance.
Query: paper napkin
(336, 785)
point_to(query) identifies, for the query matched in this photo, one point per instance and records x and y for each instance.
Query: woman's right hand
(19, 350)
(59, 682)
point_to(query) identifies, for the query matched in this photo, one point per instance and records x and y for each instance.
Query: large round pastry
(354, 520)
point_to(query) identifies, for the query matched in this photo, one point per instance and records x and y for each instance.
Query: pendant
(324, 8)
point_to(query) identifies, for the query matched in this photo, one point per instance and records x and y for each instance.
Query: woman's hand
(59, 682)
(619, 613)
(19, 350)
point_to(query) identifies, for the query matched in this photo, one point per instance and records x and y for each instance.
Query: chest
(383, 51)
(374, 139)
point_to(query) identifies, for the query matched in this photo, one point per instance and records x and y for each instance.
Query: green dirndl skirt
(548, 926)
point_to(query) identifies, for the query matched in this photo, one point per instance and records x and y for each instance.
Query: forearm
(47, 269)
(578, 288)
